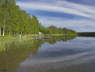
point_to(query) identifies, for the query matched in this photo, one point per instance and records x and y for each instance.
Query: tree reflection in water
(17, 51)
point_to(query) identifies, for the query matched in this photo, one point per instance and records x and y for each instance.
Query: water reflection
(14, 52)
(70, 56)
(57, 52)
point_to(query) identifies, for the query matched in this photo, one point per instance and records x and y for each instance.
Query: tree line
(13, 21)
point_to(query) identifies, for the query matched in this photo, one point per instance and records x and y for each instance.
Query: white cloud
(64, 7)
(61, 7)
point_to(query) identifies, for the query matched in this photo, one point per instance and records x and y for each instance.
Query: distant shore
(87, 34)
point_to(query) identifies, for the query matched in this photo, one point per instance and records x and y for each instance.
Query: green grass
(11, 38)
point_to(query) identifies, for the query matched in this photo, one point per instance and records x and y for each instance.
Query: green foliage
(14, 21)
(64, 31)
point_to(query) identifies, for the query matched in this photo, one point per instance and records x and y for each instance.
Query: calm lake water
(76, 55)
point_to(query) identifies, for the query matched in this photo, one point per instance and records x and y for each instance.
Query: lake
(53, 55)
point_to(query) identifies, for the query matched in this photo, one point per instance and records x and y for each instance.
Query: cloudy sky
(78, 15)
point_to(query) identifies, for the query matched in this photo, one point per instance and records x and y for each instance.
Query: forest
(14, 20)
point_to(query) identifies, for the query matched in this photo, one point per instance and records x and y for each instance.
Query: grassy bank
(12, 38)
(51, 38)
(8, 38)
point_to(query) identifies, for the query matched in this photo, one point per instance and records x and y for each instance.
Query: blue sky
(78, 15)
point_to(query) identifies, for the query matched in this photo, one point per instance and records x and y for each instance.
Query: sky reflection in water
(61, 55)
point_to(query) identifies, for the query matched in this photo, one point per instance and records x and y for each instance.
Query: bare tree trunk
(0, 32)
(21, 35)
(3, 32)
(4, 27)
